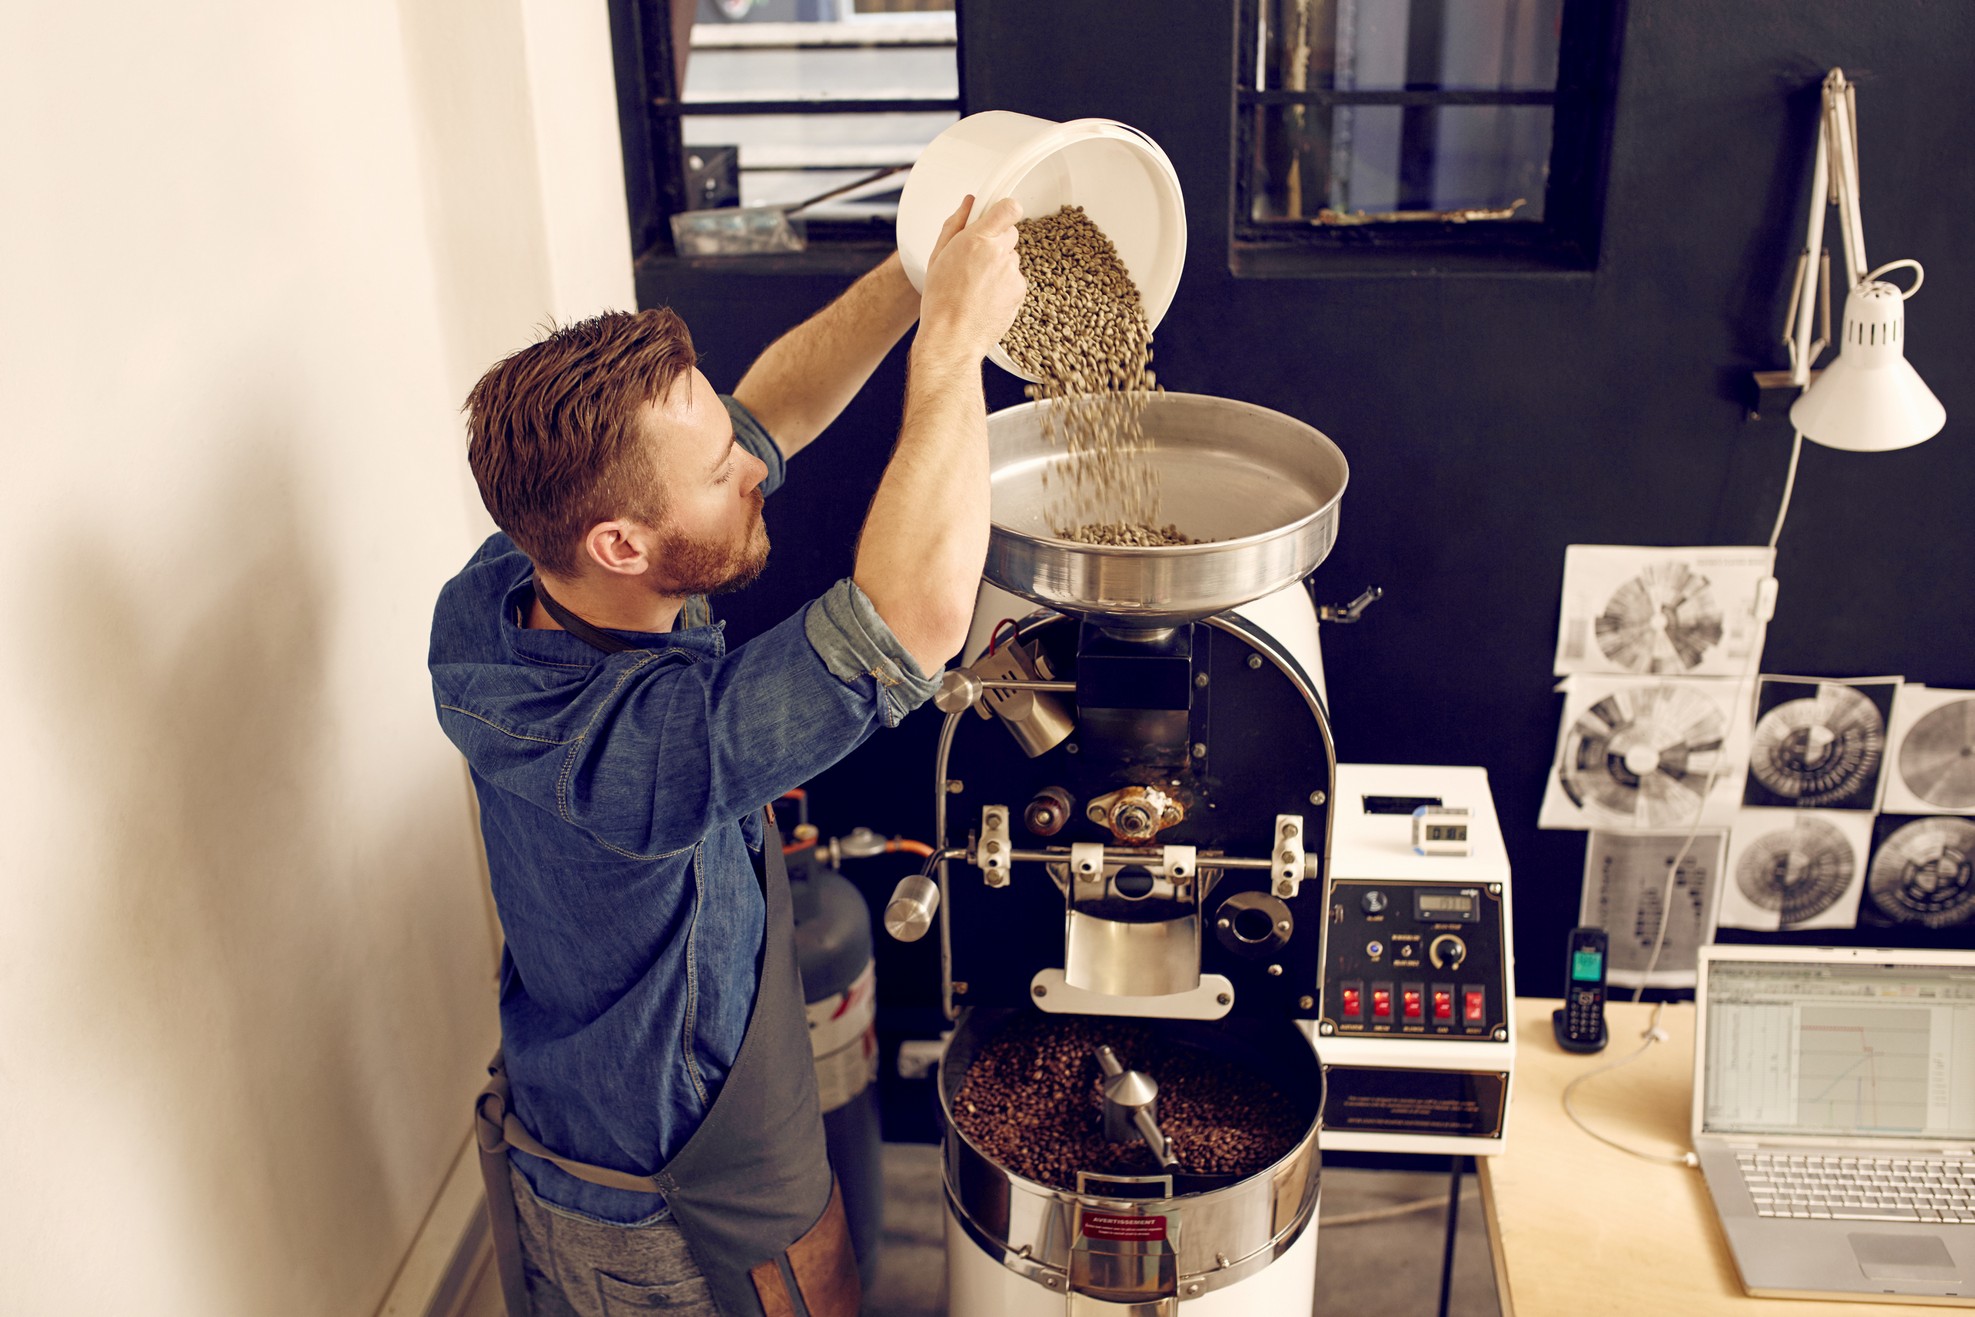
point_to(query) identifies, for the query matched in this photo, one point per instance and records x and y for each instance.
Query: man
(658, 1093)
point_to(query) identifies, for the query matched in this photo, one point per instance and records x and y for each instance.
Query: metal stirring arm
(1131, 1108)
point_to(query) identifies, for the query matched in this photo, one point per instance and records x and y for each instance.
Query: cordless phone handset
(1580, 1022)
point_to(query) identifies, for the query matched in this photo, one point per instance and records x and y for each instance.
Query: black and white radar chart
(1689, 612)
(1640, 754)
(1930, 753)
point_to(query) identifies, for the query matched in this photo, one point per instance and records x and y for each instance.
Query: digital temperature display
(1440, 907)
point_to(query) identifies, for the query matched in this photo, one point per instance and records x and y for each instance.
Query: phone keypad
(1584, 1012)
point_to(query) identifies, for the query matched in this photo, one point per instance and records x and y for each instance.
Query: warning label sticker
(1105, 1225)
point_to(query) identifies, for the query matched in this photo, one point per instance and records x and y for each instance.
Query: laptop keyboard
(1860, 1188)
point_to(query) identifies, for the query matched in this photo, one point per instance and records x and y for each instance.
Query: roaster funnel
(1262, 486)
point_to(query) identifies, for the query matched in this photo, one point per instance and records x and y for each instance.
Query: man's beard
(687, 567)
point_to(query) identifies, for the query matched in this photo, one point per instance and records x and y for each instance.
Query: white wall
(251, 257)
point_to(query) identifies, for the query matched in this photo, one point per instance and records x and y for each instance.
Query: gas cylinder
(839, 987)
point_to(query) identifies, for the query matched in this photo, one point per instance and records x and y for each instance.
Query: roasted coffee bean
(1221, 1118)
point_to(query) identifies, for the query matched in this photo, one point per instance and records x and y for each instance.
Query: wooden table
(1577, 1227)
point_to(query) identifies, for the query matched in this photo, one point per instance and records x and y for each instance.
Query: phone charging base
(1569, 1044)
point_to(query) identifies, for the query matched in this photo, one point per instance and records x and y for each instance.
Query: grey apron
(751, 1191)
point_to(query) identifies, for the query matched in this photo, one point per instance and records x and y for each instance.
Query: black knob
(1374, 902)
(1447, 951)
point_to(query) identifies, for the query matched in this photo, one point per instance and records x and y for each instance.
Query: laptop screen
(1842, 1050)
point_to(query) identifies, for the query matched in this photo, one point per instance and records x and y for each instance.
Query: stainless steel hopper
(1264, 487)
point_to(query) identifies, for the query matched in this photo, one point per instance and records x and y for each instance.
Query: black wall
(1490, 420)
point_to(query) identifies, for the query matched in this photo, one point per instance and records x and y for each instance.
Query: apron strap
(589, 634)
(503, 1217)
(495, 1130)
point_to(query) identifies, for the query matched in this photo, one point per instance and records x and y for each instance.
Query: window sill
(849, 258)
(1285, 260)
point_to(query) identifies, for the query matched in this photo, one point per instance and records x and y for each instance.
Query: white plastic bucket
(1117, 174)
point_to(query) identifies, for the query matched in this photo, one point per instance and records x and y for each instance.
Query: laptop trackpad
(1903, 1257)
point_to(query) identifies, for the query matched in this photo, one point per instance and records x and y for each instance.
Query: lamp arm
(1813, 269)
(1841, 119)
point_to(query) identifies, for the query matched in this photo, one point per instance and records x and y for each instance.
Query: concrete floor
(1382, 1268)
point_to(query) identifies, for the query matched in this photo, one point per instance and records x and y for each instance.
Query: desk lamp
(1870, 399)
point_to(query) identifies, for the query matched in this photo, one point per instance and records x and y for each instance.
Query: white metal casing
(1380, 846)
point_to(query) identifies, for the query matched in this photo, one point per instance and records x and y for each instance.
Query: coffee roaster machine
(1160, 830)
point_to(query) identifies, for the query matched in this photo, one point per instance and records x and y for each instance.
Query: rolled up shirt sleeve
(861, 651)
(748, 432)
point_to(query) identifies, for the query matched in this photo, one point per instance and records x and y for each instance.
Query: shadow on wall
(246, 1012)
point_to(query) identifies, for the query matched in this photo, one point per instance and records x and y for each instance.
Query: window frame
(1567, 238)
(651, 114)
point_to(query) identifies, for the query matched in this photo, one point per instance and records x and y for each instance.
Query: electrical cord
(1654, 1034)
(1383, 1213)
(1748, 672)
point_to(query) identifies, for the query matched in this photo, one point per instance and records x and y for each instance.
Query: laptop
(1834, 1119)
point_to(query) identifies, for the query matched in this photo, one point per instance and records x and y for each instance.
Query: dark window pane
(1382, 158)
(1390, 45)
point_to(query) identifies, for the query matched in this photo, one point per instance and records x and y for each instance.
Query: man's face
(711, 538)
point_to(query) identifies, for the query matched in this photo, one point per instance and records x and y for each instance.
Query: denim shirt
(620, 796)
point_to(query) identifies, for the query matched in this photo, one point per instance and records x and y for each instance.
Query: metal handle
(1354, 610)
(914, 902)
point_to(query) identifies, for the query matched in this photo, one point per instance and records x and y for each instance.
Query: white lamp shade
(1870, 399)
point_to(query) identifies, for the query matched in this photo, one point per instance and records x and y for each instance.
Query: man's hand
(974, 285)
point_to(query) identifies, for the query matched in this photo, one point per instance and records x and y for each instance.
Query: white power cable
(1383, 1213)
(1789, 486)
(1653, 1034)
(1748, 671)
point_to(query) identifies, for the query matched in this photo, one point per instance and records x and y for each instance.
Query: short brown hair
(553, 435)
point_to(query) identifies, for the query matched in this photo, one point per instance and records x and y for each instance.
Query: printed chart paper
(1676, 612)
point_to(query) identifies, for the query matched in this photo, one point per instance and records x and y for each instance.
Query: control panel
(1414, 958)
(1416, 1031)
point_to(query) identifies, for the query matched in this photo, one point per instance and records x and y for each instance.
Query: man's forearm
(810, 374)
(925, 540)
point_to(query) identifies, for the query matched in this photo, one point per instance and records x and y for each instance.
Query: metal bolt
(1282, 925)
(1317, 797)
(1069, 747)
(1289, 828)
(1275, 971)
(1224, 999)
(1285, 888)
(1324, 1027)
(1039, 990)
(1305, 1003)
(994, 847)
(1200, 680)
(1254, 662)
(1193, 1288)
(994, 818)
(1494, 889)
(954, 786)
(1501, 1034)
(1222, 923)
(1199, 749)
(1286, 858)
